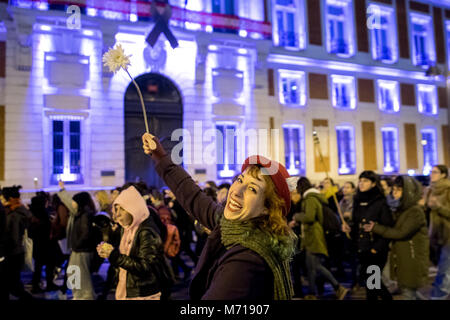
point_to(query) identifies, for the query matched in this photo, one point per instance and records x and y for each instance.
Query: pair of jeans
(314, 264)
(297, 267)
(366, 260)
(441, 284)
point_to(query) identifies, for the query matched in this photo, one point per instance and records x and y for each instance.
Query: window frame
(300, 77)
(352, 151)
(230, 169)
(67, 175)
(428, 88)
(349, 26)
(428, 166)
(293, 170)
(299, 24)
(391, 85)
(388, 13)
(386, 167)
(351, 82)
(430, 51)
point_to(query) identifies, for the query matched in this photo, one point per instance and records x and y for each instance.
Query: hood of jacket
(315, 194)
(132, 201)
(412, 192)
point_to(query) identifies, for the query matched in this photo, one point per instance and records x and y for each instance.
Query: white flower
(115, 59)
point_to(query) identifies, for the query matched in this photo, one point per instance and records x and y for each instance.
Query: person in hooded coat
(247, 254)
(140, 254)
(311, 218)
(409, 256)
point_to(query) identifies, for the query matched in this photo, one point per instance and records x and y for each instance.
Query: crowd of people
(262, 235)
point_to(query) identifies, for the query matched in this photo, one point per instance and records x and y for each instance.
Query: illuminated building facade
(353, 71)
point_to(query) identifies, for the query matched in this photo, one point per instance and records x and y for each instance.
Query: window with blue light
(294, 149)
(292, 90)
(226, 150)
(388, 96)
(390, 149)
(346, 150)
(343, 92)
(424, 53)
(66, 151)
(429, 150)
(427, 99)
(383, 33)
(340, 35)
(289, 26)
(448, 43)
(224, 7)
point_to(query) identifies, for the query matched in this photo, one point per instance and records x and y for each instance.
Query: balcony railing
(124, 9)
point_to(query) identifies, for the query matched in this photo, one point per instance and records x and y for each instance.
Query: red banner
(142, 9)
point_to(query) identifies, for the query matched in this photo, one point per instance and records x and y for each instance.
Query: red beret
(277, 173)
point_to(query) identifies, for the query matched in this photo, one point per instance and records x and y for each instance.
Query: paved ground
(180, 290)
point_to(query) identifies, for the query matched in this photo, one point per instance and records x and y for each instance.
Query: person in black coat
(3, 289)
(370, 204)
(18, 219)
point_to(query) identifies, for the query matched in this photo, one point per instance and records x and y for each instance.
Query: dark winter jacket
(16, 222)
(410, 247)
(85, 236)
(234, 274)
(370, 206)
(2, 231)
(142, 263)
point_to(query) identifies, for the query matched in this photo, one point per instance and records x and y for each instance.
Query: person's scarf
(276, 252)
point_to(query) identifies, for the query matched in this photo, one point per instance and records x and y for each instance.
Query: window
(224, 7)
(427, 99)
(390, 149)
(388, 96)
(422, 40)
(294, 149)
(343, 92)
(339, 17)
(226, 147)
(66, 151)
(346, 150)
(429, 150)
(291, 86)
(448, 43)
(383, 33)
(289, 26)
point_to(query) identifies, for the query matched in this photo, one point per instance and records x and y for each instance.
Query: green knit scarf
(277, 252)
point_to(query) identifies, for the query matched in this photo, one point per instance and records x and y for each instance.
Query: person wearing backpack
(313, 242)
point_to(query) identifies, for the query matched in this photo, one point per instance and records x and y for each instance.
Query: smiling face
(246, 197)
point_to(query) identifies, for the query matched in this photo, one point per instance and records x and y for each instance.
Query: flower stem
(142, 101)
